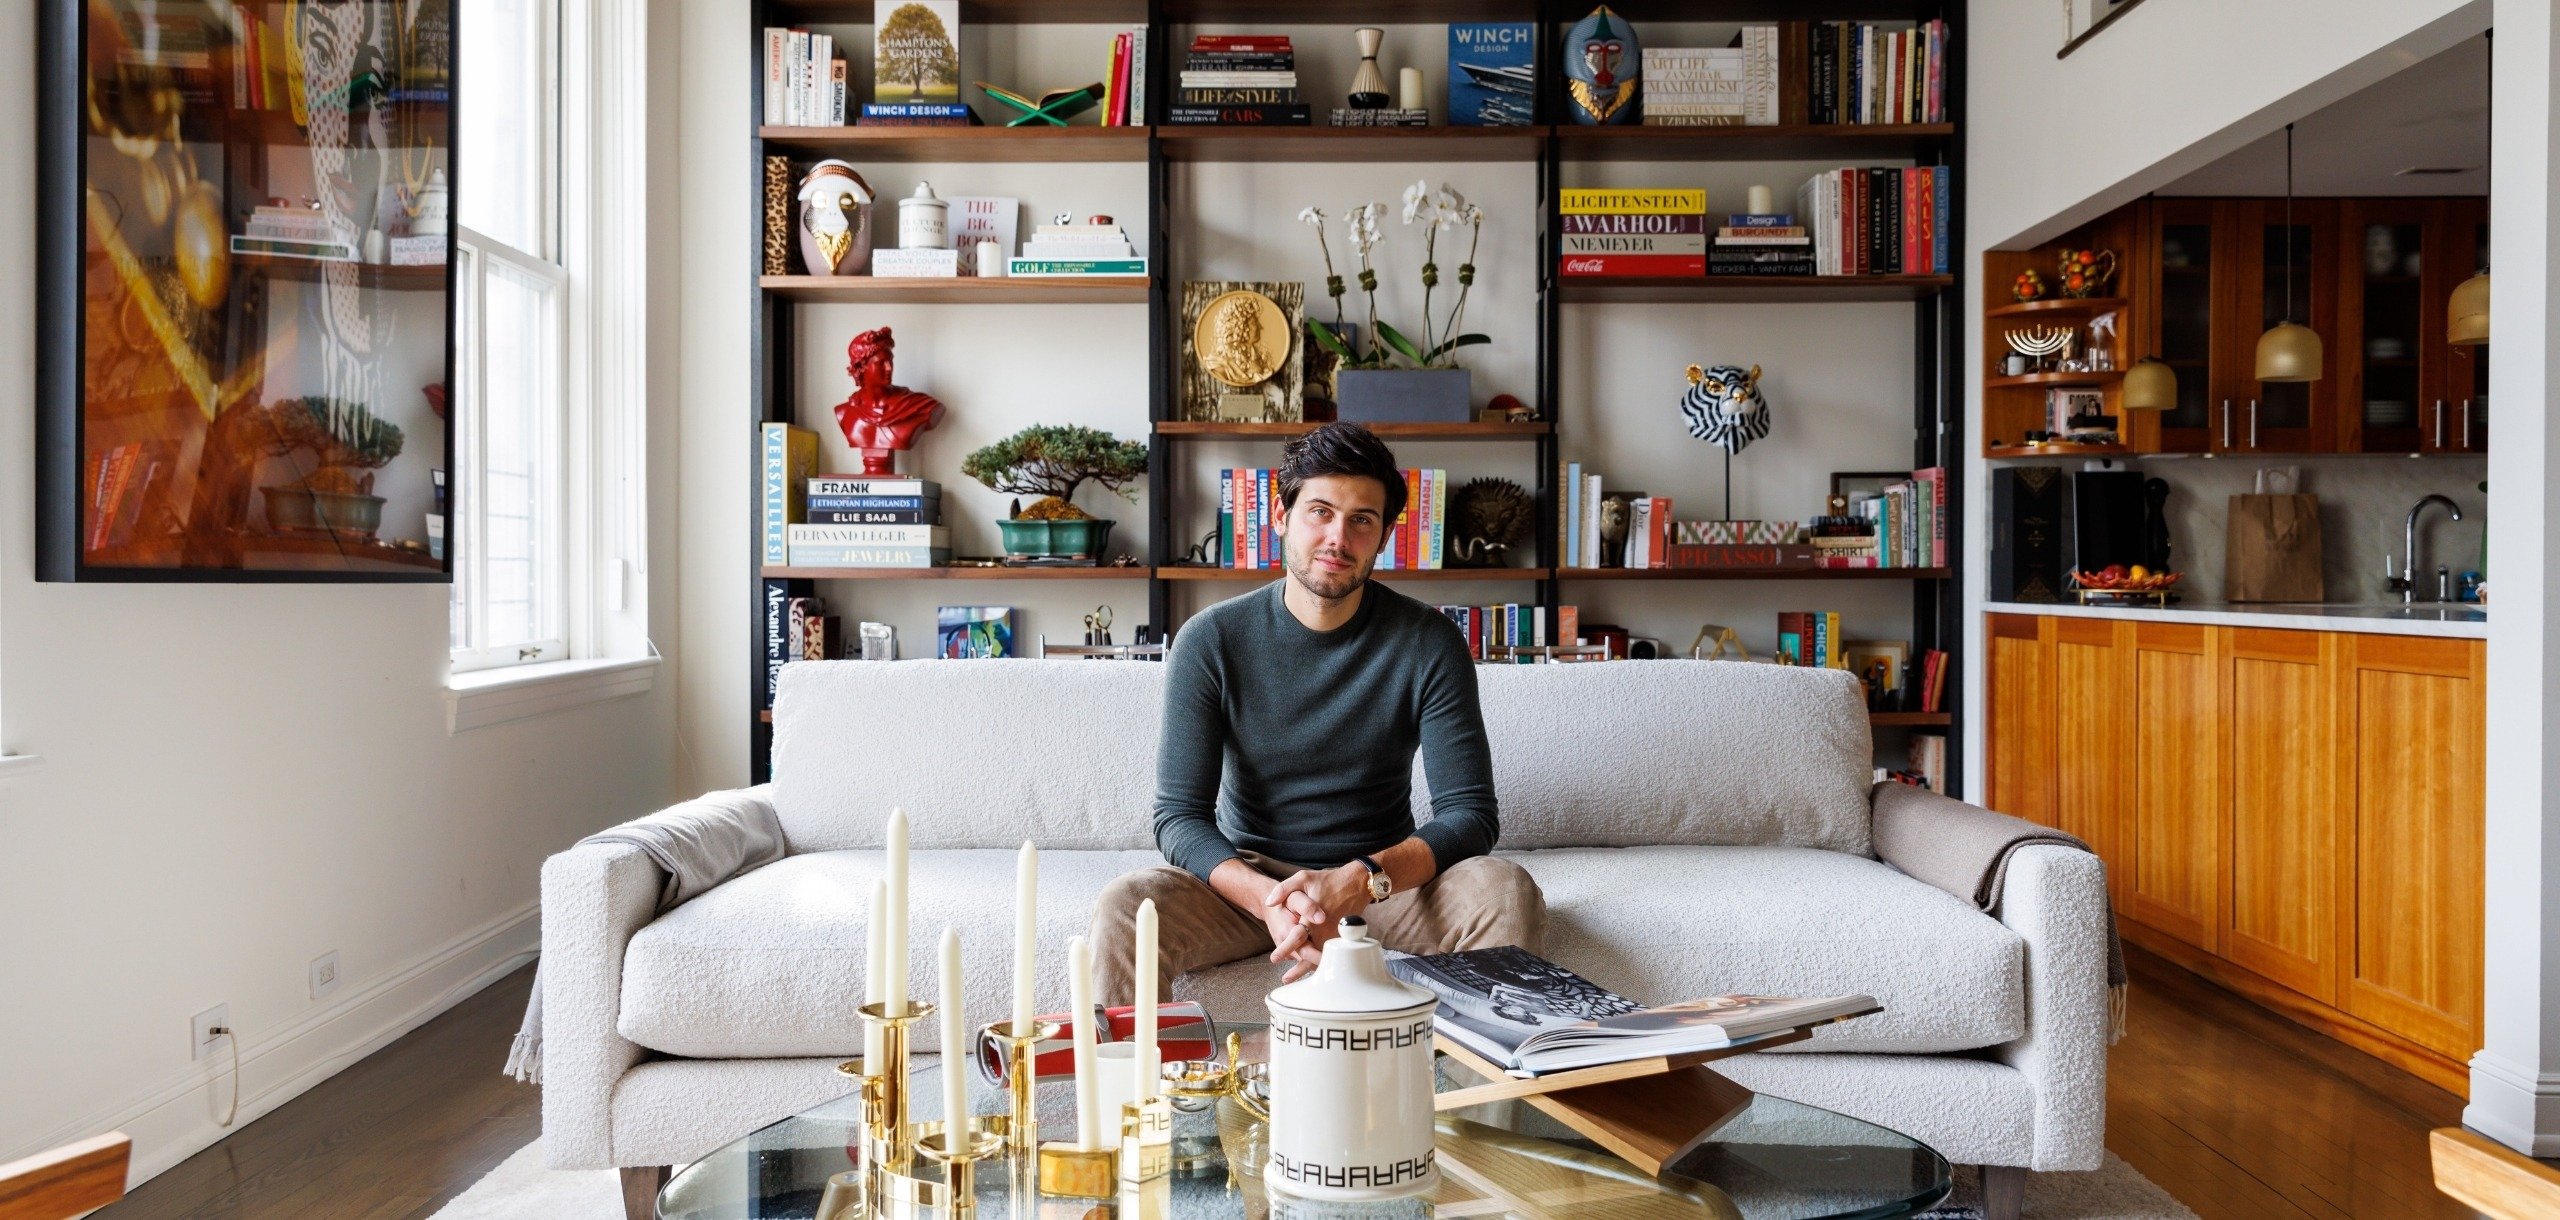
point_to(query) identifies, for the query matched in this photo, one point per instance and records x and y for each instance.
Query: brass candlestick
(959, 1149)
(888, 1143)
(1146, 1140)
(1022, 1129)
(1078, 1172)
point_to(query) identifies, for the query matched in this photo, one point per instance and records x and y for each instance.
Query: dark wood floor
(2239, 1113)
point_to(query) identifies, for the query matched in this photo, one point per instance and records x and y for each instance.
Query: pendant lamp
(2466, 315)
(2289, 351)
(2149, 385)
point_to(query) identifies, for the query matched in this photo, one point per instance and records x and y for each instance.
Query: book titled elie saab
(1490, 78)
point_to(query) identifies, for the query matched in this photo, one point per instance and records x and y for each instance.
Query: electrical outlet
(200, 1030)
(324, 975)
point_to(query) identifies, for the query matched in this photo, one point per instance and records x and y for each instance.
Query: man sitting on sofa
(1310, 697)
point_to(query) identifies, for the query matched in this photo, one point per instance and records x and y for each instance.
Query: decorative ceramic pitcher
(1351, 1078)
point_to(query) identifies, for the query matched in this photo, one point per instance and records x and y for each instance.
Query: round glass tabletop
(1774, 1160)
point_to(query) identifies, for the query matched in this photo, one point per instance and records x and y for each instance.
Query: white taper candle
(895, 993)
(1080, 1011)
(1409, 88)
(1145, 969)
(955, 1048)
(875, 980)
(1026, 911)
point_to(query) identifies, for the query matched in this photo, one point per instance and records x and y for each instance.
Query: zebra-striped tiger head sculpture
(1724, 407)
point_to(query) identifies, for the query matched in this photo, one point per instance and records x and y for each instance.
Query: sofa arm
(2056, 901)
(594, 897)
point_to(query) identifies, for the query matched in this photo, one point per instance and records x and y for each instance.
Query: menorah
(2040, 343)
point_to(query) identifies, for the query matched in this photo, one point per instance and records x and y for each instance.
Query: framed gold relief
(1243, 351)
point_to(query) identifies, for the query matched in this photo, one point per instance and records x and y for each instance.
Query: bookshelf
(1546, 154)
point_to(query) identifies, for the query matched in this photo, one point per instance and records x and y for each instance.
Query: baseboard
(175, 1120)
(2514, 1105)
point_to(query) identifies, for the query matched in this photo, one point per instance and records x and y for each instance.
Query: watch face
(1379, 887)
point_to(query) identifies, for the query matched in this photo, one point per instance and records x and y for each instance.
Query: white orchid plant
(1436, 211)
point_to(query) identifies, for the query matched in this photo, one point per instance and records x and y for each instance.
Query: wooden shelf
(1753, 288)
(1479, 431)
(1191, 572)
(1350, 144)
(399, 276)
(2109, 377)
(968, 144)
(998, 290)
(1328, 12)
(1751, 573)
(2055, 305)
(778, 572)
(1915, 719)
(2056, 451)
(1788, 142)
(977, 12)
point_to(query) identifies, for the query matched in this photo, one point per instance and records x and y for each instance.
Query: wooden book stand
(1650, 1112)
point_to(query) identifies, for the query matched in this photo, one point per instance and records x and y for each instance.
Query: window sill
(15, 765)
(485, 697)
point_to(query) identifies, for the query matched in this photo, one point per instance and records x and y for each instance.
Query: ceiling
(2432, 114)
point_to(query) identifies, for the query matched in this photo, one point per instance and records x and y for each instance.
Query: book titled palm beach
(1531, 1016)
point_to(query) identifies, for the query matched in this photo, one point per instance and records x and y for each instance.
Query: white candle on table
(895, 942)
(955, 1056)
(1758, 200)
(1080, 1010)
(1145, 1087)
(1409, 88)
(875, 982)
(1026, 905)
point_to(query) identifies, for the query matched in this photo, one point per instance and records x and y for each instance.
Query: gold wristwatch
(1380, 885)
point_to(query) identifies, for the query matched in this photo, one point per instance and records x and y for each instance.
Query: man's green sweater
(1315, 732)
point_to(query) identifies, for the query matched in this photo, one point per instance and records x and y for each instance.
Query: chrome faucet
(2406, 583)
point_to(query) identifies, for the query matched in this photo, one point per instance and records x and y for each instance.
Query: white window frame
(478, 255)
(603, 214)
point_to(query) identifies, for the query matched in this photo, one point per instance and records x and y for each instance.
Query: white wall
(237, 778)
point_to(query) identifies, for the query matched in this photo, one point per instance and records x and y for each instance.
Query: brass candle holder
(1022, 1131)
(1146, 1140)
(1076, 1172)
(958, 1149)
(888, 1142)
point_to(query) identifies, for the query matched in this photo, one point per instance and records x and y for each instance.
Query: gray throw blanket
(1965, 850)
(698, 845)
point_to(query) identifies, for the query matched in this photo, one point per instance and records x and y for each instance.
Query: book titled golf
(1531, 1016)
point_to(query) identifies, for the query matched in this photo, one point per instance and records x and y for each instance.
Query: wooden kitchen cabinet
(2178, 791)
(2283, 732)
(2412, 935)
(2280, 416)
(2182, 294)
(2093, 739)
(2018, 738)
(2401, 387)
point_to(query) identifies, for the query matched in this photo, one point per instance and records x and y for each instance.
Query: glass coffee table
(1775, 1160)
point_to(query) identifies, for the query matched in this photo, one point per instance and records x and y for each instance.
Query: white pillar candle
(1759, 201)
(1080, 1011)
(894, 994)
(1409, 88)
(1026, 911)
(955, 1048)
(1144, 1088)
(875, 982)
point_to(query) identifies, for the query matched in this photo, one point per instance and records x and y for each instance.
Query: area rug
(522, 1189)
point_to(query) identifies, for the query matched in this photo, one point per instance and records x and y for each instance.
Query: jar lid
(924, 197)
(1351, 978)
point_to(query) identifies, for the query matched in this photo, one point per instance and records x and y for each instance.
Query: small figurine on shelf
(1368, 85)
(1603, 64)
(879, 418)
(835, 220)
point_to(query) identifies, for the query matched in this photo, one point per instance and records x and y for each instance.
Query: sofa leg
(2004, 1191)
(640, 1187)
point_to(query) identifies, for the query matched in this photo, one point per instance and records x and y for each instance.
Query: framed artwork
(244, 289)
(1243, 350)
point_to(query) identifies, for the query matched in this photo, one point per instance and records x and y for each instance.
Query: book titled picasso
(1532, 1016)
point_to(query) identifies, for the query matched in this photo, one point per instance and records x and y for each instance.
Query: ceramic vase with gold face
(835, 220)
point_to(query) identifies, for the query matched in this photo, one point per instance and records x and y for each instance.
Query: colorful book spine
(870, 535)
(1226, 556)
(827, 485)
(1633, 243)
(870, 556)
(789, 456)
(1633, 264)
(1677, 200)
(1032, 267)
(872, 516)
(875, 503)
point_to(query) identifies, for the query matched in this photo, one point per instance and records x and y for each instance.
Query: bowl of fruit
(2118, 582)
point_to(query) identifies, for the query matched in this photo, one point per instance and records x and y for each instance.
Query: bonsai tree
(344, 436)
(1053, 460)
(915, 48)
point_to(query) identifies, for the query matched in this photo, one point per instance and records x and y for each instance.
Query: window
(512, 505)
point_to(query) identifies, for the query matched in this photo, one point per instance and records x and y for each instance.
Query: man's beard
(1329, 585)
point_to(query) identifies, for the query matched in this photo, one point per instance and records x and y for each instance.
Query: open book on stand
(1531, 1016)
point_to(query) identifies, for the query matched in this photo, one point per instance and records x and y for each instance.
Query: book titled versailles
(1532, 1016)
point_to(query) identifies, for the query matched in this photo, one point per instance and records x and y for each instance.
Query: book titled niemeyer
(1532, 1016)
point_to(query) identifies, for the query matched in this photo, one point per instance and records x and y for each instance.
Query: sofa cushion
(1661, 924)
(980, 753)
(1691, 753)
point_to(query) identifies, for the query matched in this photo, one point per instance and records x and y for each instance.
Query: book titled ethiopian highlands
(1531, 1016)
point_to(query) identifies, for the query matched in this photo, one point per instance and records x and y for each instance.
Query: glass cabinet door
(2296, 260)
(2387, 345)
(2183, 279)
(2466, 382)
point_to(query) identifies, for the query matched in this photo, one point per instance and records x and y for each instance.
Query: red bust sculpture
(879, 418)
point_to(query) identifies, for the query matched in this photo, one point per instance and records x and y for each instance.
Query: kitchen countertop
(2438, 621)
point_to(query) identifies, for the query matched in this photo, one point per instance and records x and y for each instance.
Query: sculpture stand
(1650, 1112)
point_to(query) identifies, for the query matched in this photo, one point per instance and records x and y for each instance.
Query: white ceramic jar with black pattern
(1351, 1078)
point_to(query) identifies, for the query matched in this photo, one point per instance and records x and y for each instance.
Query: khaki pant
(1482, 903)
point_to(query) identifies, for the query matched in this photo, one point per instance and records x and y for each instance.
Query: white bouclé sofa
(1698, 827)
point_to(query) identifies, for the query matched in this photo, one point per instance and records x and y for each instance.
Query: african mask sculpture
(1602, 67)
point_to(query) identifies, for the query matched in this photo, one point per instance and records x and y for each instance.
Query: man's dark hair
(1344, 449)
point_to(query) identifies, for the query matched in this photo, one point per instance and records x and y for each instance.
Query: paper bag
(2274, 550)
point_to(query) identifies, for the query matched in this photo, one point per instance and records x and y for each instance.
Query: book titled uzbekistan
(1532, 1016)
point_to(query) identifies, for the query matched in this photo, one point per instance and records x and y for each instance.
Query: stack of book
(1640, 233)
(1728, 86)
(1843, 542)
(1878, 221)
(1087, 249)
(1738, 544)
(1345, 116)
(1239, 80)
(1124, 92)
(1761, 243)
(1904, 525)
(1511, 625)
(1812, 637)
(1864, 73)
(285, 231)
(1491, 82)
(1249, 499)
(804, 79)
(856, 521)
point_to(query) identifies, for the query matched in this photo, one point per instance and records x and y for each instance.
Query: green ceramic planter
(1033, 539)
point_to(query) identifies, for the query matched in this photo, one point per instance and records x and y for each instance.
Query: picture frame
(245, 304)
(1895, 656)
(1284, 393)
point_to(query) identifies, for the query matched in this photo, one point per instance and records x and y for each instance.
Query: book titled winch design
(1531, 1016)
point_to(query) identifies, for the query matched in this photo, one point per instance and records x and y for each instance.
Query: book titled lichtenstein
(1531, 1016)
(1610, 232)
